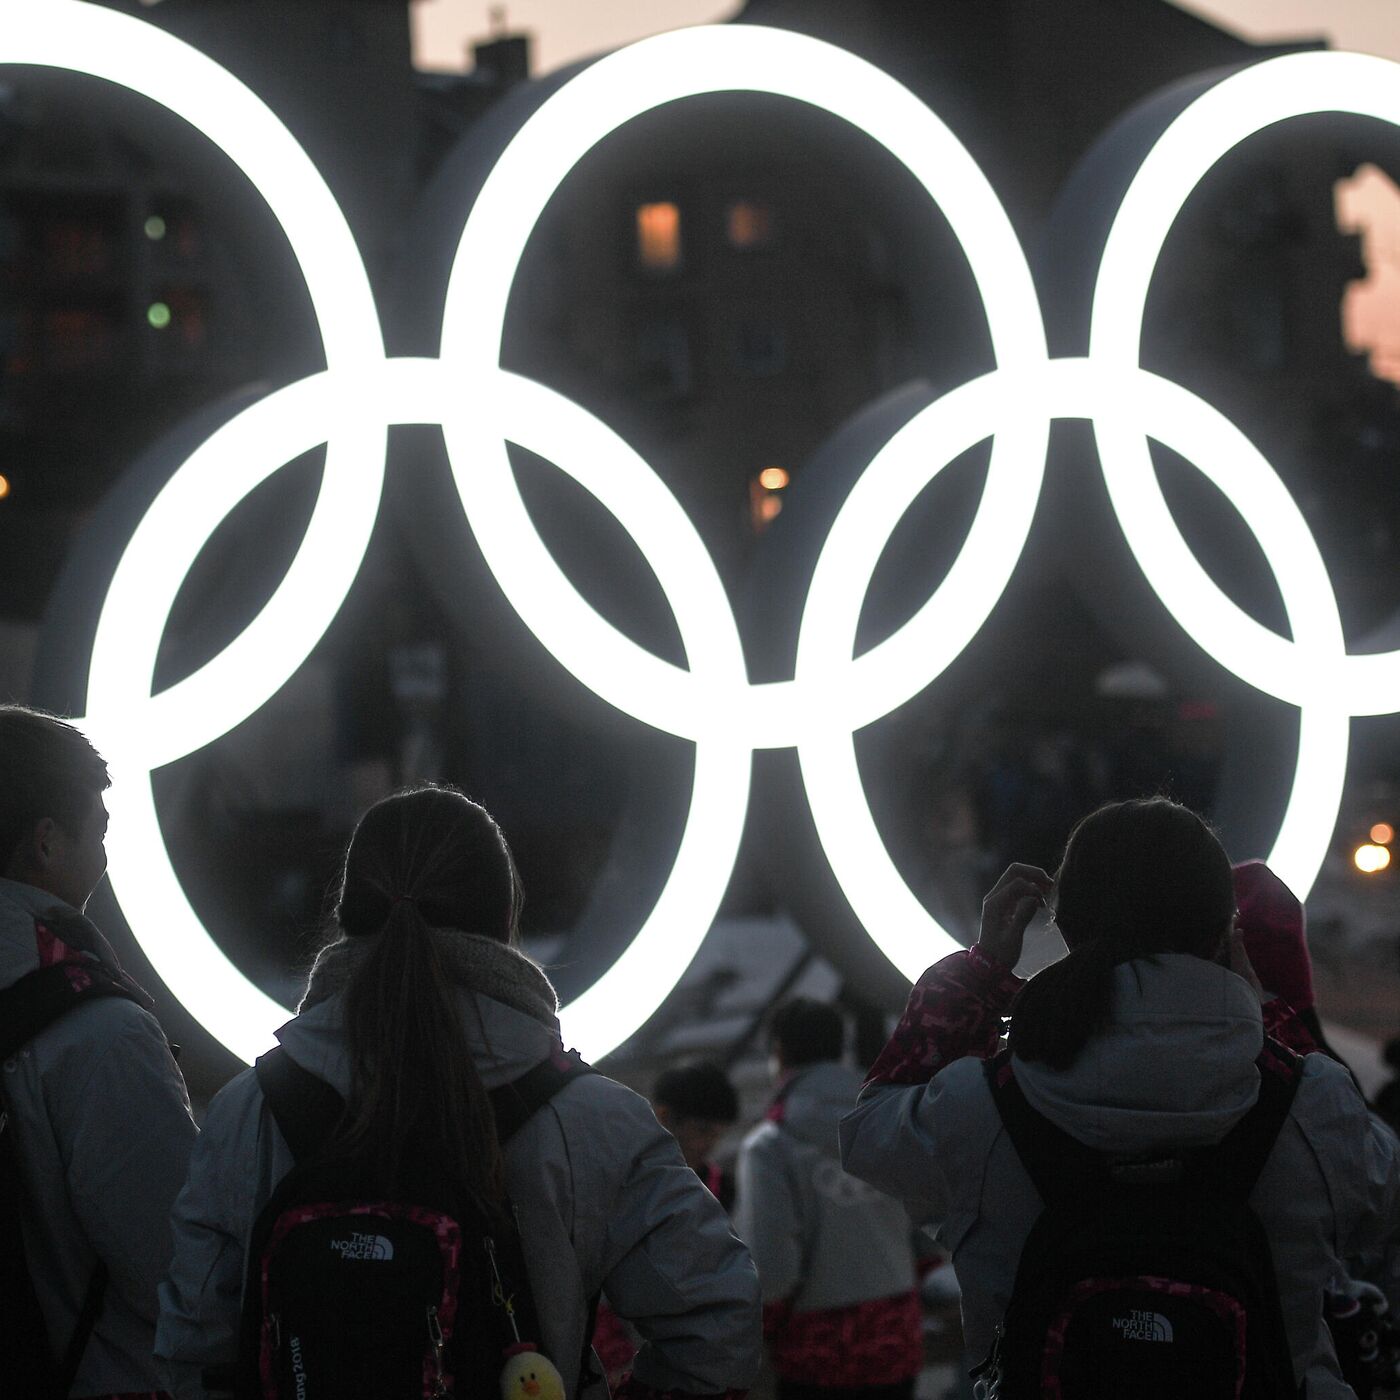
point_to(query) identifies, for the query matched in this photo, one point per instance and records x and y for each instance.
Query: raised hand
(1009, 908)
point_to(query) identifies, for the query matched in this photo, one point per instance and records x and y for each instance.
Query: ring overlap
(482, 408)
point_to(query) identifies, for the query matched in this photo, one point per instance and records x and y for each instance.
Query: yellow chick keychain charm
(528, 1373)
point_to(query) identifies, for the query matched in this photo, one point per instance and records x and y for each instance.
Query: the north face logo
(360, 1246)
(1143, 1327)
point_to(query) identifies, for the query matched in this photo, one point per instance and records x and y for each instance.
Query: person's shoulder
(957, 1097)
(233, 1122)
(763, 1140)
(604, 1129)
(104, 1026)
(594, 1087)
(106, 1050)
(1323, 1077)
(239, 1093)
(965, 1076)
(237, 1105)
(964, 1093)
(1327, 1101)
(604, 1105)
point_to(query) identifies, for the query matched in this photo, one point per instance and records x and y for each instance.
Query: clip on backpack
(1149, 1278)
(27, 1363)
(353, 1297)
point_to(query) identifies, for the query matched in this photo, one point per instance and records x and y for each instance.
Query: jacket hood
(812, 1102)
(1174, 1066)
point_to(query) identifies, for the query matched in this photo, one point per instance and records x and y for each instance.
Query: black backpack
(353, 1297)
(28, 1365)
(1144, 1278)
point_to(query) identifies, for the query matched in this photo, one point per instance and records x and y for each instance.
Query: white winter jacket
(604, 1198)
(102, 1131)
(1173, 1068)
(820, 1238)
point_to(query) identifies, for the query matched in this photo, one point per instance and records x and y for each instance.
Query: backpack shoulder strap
(305, 1107)
(1057, 1164)
(516, 1102)
(41, 997)
(1235, 1162)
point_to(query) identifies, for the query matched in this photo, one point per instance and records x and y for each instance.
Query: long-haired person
(1144, 1045)
(419, 1008)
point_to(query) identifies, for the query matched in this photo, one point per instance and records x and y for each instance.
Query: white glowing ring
(923, 647)
(137, 732)
(481, 407)
(709, 701)
(1312, 670)
(361, 393)
(1067, 388)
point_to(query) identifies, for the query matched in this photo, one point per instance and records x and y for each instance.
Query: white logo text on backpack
(1144, 1327)
(360, 1246)
(298, 1369)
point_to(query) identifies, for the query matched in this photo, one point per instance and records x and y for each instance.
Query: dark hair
(422, 859)
(1137, 878)
(701, 1090)
(806, 1032)
(50, 770)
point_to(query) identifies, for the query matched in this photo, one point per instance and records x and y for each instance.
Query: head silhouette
(1137, 879)
(52, 819)
(433, 852)
(804, 1031)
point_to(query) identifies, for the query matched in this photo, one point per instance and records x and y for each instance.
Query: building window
(766, 497)
(659, 237)
(748, 223)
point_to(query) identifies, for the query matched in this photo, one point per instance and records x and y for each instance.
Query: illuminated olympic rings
(350, 405)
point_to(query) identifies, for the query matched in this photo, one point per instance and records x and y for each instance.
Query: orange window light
(659, 236)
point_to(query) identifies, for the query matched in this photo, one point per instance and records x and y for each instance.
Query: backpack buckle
(986, 1378)
(435, 1340)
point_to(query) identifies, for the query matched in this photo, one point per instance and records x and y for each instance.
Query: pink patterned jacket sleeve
(1283, 1024)
(956, 1009)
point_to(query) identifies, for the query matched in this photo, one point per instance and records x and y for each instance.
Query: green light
(155, 228)
(158, 314)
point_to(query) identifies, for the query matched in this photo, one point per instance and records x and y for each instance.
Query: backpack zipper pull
(435, 1339)
(498, 1292)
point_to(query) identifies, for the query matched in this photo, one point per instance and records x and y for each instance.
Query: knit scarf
(477, 963)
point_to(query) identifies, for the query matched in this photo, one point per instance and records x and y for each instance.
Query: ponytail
(419, 862)
(1057, 1011)
(413, 1079)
